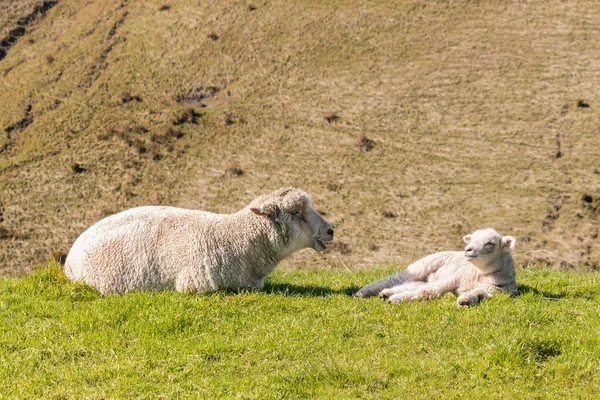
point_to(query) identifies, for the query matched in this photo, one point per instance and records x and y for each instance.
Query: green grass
(303, 336)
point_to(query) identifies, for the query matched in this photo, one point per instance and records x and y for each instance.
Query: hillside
(411, 123)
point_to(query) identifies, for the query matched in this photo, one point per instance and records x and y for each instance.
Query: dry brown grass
(468, 104)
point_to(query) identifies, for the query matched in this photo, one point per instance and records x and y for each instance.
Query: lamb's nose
(330, 231)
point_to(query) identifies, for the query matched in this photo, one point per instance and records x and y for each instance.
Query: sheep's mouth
(319, 245)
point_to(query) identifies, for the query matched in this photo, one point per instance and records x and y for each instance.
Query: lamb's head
(485, 245)
(292, 210)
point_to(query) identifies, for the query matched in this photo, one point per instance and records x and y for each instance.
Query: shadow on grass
(523, 289)
(308, 290)
(583, 292)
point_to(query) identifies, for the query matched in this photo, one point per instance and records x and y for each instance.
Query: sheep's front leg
(426, 291)
(259, 285)
(473, 297)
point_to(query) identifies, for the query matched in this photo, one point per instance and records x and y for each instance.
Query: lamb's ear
(267, 210)
(508, 243)
(467, 238)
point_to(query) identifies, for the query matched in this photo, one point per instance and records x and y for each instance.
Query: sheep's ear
(508, 243)
(266, 210)
(467, 238)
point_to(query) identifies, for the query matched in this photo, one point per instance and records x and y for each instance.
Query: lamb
(164, 248)
(485, 267)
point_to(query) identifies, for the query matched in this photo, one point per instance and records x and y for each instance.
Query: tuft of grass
(77, 168)
(4, 233)
(58, 256)
(126, 97)
(187, 116)
(235, 171)
(228, 120)
(365, 144)
(303, 336)
(139, 146)
(331, 117)
(591, 201)
(171, 133)
(388, 214)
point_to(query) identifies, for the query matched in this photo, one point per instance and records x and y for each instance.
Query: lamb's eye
(294, 213)
(489, 245)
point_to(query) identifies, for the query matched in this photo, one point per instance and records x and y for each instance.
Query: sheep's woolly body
(451, 271)
(187, 250)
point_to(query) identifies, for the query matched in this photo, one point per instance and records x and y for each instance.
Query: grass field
(303, 336)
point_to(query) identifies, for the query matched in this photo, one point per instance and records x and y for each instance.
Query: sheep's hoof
(359, 294)
(394, 300)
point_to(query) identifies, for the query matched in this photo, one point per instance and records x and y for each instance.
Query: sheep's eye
(295, 213)
(489, 245)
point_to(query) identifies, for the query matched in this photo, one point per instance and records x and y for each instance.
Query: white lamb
(196, 251)
(484, 268)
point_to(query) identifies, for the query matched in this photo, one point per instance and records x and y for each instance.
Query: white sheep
(485, 267)
(196, 251)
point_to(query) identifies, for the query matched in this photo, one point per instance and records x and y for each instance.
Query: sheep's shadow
(523, 289)
(308, 290)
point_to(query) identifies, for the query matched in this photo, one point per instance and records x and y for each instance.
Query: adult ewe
(484, 268)
(196, 251)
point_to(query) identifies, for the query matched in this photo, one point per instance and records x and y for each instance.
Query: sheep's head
(301, 225)
(484, 246)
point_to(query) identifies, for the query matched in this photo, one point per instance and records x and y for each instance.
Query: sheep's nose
(330, 231)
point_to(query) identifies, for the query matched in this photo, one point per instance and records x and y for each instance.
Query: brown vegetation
(455, 116)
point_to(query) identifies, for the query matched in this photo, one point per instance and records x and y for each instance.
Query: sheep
(484, 268)
(163, 248)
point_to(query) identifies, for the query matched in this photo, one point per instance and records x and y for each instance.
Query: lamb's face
(302, 226)
(485, 245)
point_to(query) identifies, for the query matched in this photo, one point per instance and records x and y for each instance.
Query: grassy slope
(304, 336)
(464, 101)
(11, 11)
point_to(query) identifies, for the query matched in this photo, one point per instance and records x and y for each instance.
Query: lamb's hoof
(385, 294)
(464, 300)
(359, 294)
(394, 300)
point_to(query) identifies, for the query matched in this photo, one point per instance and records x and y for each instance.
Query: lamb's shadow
(308, 290)
(523, 289)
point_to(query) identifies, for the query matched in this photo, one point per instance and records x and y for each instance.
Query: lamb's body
(451, 271)
(173, 248)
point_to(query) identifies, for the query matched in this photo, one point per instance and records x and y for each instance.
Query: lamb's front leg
(426, 291)
(473, 297)
(405, 287)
